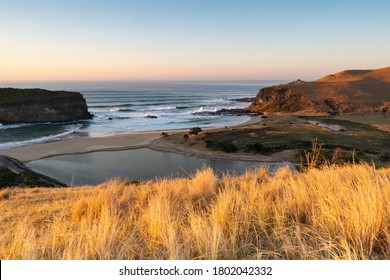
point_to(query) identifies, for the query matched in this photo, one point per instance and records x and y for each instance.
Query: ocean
(122, 107)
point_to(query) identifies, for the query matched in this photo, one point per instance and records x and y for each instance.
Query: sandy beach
(82, 145)
(118, 142)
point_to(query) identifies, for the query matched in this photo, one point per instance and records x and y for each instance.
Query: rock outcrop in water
(226, 112)
(39, 105)
(351, 91)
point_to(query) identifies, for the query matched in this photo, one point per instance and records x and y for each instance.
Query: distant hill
(382, 74)
(350, 91)
(39, 105)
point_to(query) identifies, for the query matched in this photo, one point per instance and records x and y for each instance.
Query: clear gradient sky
(190, 39)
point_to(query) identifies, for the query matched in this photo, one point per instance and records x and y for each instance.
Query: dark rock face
(236, 112)
(244, 99)
(227, 112)
(38, 105)
(307, 99)
(277, 99)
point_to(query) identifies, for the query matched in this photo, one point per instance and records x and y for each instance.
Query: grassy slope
(285, 137)
(332, 213)
(382, 74)
(350, 91)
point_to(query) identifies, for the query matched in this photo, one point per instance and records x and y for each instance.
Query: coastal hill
(39, 105)
(350, 91)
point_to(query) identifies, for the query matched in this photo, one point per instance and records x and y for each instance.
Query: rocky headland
(39, 105)
(350, 91)
(347, 114)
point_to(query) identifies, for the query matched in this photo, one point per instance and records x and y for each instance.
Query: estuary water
(138, 164)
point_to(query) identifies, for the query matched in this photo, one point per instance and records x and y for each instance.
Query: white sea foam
(200, 110)
(158, 108)
(9, 145)
(7, 126)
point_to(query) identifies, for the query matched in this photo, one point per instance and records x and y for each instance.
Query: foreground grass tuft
(328, 213)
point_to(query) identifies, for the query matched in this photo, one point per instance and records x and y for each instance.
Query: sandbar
(81, 145)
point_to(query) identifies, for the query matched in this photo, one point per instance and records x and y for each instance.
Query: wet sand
(82, 145)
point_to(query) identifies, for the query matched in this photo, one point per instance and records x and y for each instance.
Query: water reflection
(138, 164)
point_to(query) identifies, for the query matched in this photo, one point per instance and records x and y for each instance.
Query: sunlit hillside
(329, 213)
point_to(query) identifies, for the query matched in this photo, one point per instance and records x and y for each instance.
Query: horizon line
(144, 80)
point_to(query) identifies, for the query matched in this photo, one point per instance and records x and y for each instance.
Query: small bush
(229, 147)
(195, 130)
(257, 147)
(314, 158)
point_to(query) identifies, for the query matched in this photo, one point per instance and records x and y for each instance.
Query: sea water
(122, 107)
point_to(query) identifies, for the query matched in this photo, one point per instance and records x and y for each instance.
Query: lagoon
(136, 164)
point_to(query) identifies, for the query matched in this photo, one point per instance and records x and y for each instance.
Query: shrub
(226, 146)
(229, 147)
(314, 158)
(257, 147)
(195, 130)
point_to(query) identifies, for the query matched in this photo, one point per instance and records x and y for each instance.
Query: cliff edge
(39, 105)
(350, 91)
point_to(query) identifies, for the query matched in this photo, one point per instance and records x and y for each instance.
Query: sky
(190, 40)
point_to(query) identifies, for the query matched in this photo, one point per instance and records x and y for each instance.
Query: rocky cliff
(39, 105)
(351, 91)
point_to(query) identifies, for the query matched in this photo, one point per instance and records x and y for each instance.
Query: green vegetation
(226, 146)
(13, 95)
(26, 178)
(348, 141)
(229, 147)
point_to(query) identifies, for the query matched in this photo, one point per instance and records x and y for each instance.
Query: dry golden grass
(329, 213)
